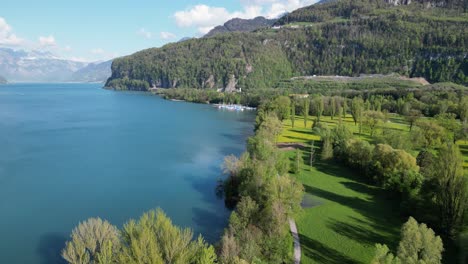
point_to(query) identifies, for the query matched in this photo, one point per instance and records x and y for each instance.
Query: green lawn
(348, 217)
(304, 134)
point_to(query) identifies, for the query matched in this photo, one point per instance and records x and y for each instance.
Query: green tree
(463, 109)
(359, 153)
(372, 119)
(395, 169)
(357, 109)
(319, 107)
(449, 122)
(345, 107)
(340, 114)
(418, 245)
(384, 256)
(283, 107)
(450, 188)
(305, 110)
(312, 154)
(273, 126)
(92, 241)
(429, 134)
(413, 116)
(326, 136)
(333, 106)
(293, 112)
(154, 239)
(298, 161)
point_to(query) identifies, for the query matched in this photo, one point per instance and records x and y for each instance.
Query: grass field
(351, 218)
(347, 216)
(304, 134)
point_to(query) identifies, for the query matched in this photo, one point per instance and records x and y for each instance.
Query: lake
(73, 151)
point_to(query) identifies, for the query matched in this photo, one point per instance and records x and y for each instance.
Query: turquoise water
(73, 151)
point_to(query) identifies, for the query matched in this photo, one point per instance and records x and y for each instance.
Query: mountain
(325, 1)
(93, 72)
(36, 66)
(3, 80)
(241, 25)
(184, 39)
(348, 37)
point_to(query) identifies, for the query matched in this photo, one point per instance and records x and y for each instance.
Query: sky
(94, 30)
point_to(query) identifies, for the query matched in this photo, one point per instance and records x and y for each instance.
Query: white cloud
(97, 51)
(167, 35)
(204, 17)
(7, 37)
(48, 41)
(67, 48)
(276, 8)
(144, 33)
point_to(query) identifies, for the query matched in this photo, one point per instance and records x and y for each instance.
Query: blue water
(73, 151)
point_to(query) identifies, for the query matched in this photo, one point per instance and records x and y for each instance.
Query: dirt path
(297, 243)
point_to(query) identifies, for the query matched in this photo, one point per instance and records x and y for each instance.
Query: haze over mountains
(43, 66)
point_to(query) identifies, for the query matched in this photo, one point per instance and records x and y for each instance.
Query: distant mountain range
(93, 72)
(241, 25)
(39, 66)
(3, 80)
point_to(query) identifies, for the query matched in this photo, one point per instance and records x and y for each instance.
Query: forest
(345, 38)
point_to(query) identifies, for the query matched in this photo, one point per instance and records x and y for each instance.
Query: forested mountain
(241, 25)
(3, 80)
(349, 37)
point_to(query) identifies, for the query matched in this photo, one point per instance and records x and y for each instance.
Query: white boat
(234, 107)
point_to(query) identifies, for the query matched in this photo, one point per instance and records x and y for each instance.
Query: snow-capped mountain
(39, 66)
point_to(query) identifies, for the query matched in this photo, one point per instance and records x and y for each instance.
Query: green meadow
(344, 216)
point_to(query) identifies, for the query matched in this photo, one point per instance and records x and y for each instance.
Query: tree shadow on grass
(321, 253)
(359, 233)
(50, 247)
(296, 138)
(358, 204)
(463, 149)
(380, 210)
(337, 170)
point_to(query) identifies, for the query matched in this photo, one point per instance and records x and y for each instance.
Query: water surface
(73, 151)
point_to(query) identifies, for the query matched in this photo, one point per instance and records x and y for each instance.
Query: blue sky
(99, 30)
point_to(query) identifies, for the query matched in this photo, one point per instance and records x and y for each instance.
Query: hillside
(93, 72)
(345, 37)
(241, 25)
